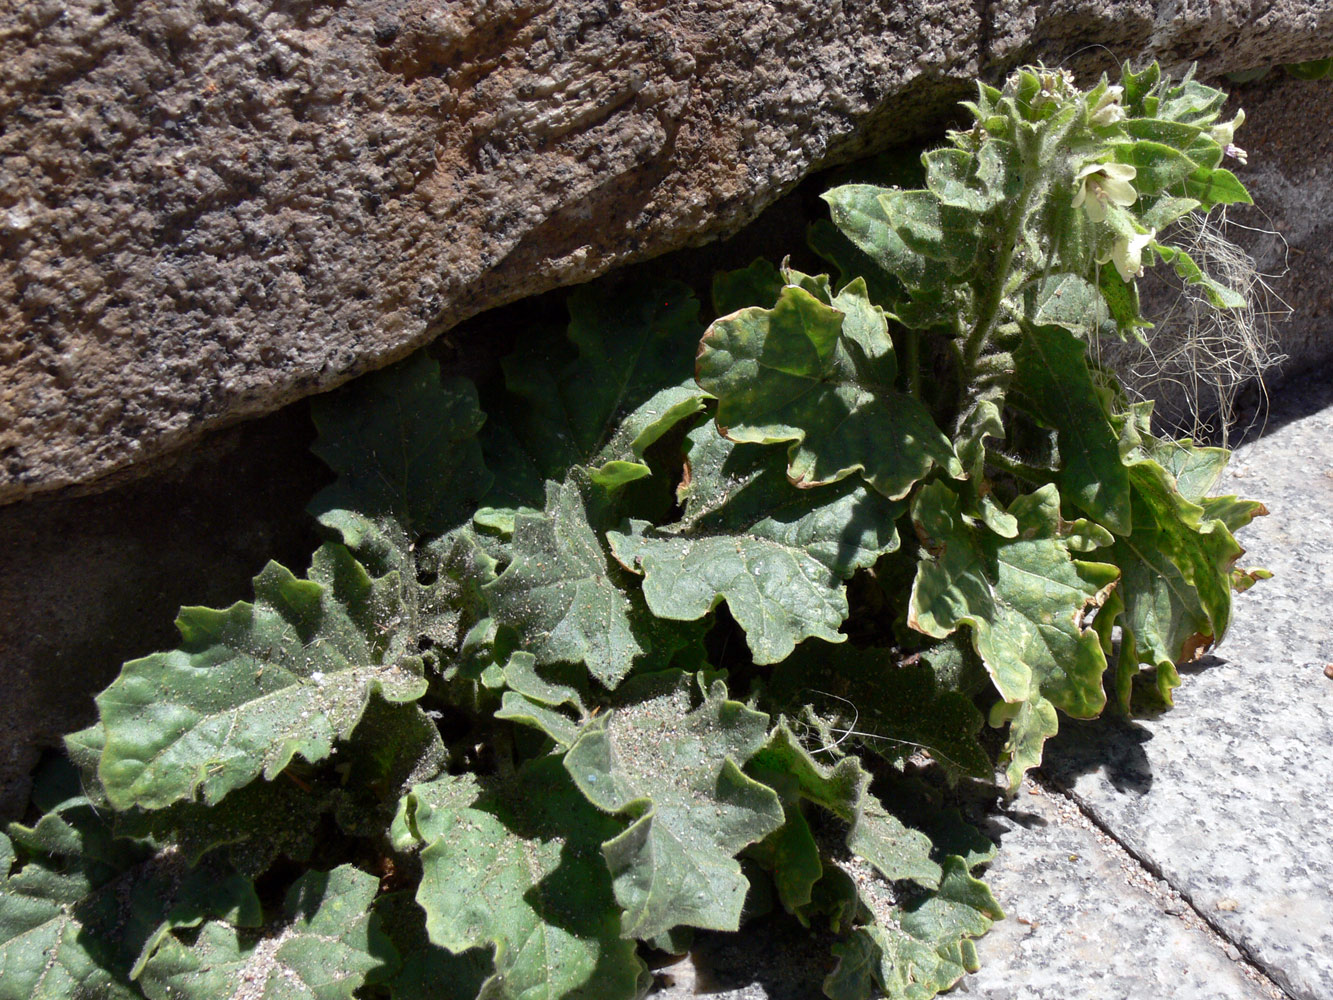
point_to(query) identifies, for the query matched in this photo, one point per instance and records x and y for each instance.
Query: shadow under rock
(1294, 393)
(1111, 743)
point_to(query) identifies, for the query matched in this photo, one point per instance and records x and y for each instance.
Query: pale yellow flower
(1223, 132)
(1099, 183)
(1127, 254)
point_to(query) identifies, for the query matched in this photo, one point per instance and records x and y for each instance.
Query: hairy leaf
(859, 215)
(1174, 599)
(777, 555)
(935, 229)
(432, 618)
(895, 710)
(254, 685)
(674, 771)
(516, 868)
(256, 824)
(1052, 382)
(822, 377)
(87, 910)
(404, 446)
(914, 951)
(567, 599)
(897, 852)
(327, 943)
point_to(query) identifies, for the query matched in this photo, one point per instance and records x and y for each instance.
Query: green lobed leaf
(873, 833)
(860, 215)
(914, 951)
(567, 599)
(1053, 383)
(257, 684)
(433, 618)
(516, 868)
(553, 699)
(1174, 598)
(822, 378)
(977, 182)
(634, 341)
(394, 748)
(326, 945)
(893, 709)
(1031, 723)
(255, 824)
(404, 446)
(1138, 86)
(941, 232)
(1065, 300)
(86, 910)
(1188, 100)
(1024, 597)
(777, 555)
(1158, 167)
(832, 245)
(674, 770)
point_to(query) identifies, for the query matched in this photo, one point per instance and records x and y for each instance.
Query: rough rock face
(209, 208)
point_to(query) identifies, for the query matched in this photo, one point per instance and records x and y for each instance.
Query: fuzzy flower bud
(1107, 110)
(1224, 132)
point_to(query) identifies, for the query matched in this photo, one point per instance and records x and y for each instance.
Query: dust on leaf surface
(516, 868)
(674, 771)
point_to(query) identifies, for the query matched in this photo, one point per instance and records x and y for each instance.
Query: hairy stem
(989, 311)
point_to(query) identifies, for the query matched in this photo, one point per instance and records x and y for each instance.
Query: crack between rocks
(1251, 966)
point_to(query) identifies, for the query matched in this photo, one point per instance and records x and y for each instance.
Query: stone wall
(210, 208)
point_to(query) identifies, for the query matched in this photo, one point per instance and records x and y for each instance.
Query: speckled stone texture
(209, 208)
(1229, 794)
(1085, 921)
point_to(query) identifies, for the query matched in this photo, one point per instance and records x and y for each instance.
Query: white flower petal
(1118, 192)
(1127, 253)
(1119, 171)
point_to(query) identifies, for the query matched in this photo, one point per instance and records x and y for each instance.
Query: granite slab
(1228, 795)
(1085, 920)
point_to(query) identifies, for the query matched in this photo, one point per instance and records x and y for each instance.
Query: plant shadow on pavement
(1112, 744)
